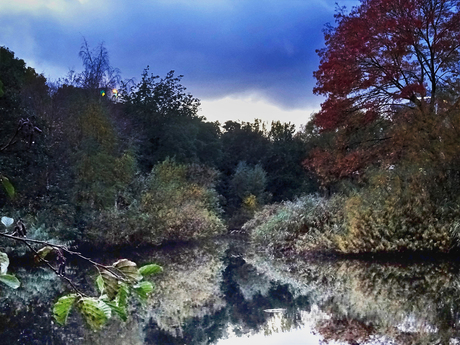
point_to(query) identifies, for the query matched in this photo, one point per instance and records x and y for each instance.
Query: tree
(166, 121)
(386, 54)
(98, 72)
(389, 72)
(286, 177)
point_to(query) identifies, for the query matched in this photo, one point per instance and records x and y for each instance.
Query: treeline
(135, 165)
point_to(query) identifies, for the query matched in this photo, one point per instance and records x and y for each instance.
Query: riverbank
(352, 225)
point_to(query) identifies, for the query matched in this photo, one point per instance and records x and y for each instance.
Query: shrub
(309, 223)
(172, 203)
(397, 213)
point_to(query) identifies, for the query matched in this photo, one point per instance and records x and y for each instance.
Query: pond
(224, 292)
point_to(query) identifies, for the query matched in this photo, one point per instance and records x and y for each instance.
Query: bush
(308, 223)
(171, 204)
(396, 212)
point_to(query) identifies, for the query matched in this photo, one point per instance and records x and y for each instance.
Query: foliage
(277, 150)
(24, 103)
(391, 89)
(408, 51)
(247, 193)
(115, 283)
(308, 223)
(8, 187)
(247, 181)
(167, 122)
(396, 215)
(398, 211)
(7, 279)
(286, 178)
(98, 73)
(175, 202)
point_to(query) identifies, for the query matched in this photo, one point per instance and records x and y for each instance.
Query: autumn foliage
(387, 52)
(389, 72)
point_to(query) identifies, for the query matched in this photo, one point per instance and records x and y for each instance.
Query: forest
(93, 160)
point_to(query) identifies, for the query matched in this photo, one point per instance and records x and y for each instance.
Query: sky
(244, 59)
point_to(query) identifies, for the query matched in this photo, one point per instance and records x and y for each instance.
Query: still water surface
(223, 292)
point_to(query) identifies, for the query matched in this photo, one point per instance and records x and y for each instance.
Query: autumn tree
(386, 53)
(385, 63)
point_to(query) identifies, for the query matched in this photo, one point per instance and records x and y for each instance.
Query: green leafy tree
(286, 177)
(166, 122)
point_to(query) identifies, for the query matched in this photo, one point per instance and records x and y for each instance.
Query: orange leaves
(332, 166)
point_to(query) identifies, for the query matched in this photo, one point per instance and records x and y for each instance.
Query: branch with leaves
(115, 282)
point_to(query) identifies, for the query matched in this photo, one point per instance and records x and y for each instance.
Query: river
(225, 292)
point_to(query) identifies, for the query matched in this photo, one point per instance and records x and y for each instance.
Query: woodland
(93, 160)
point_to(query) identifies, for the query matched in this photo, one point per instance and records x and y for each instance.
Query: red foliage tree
(382, 61)
(386, 53)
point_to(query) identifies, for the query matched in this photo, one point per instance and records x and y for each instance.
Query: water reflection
(223, 292)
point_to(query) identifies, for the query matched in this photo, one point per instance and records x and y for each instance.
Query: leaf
(10, 280)
(105, 308)
(150, 269)
(8, 186)
(143, 289)
(4, 263)
(119, 310)
(129, 270)
(111, 285)
(43, 252)
(100, 284)
(122, 296)
(7, 221)
(95, 312)
(62, 308)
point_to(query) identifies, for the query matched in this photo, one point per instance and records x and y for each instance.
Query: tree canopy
(390, 74)
(385, 54)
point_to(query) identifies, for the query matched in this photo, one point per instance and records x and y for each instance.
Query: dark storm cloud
(222, 47)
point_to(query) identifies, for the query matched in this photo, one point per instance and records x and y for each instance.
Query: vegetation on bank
(395, 212)
(175, 202)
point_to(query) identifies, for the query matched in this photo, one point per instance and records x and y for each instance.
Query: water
(223, 292)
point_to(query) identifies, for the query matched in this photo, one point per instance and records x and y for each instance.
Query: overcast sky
(243, 59)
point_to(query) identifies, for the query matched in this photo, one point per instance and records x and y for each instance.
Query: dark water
(223, 292)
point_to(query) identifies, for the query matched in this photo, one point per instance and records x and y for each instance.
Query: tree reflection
(370, 302)
(211, 291)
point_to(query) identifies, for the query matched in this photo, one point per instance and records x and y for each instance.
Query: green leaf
(105, 308)
(150, 269)
(100, 284)
(122, 296)
(119, 310)
(129, 270)
(4, 263)
(95, 312)
(43, 252)
(62, 308)
(8, 186)
(10, 280)
(111, 285)
(143, 289)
